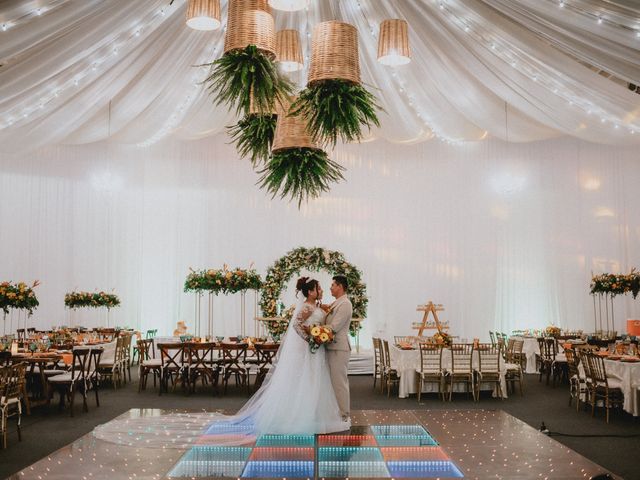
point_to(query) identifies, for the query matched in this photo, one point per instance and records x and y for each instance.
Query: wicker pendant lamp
(334, 53)
(289, 5)
(203, 14)
(289, 50)
(393, 43)
(250, 23)
(291, 131)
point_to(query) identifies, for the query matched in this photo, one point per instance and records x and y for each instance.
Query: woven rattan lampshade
(291, 131)
(393, 43)
(289, 5)
(203, 14)
(250, 23)
(334, 52)
(289, 51)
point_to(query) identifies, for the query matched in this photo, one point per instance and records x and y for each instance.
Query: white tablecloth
(406, 362)
(629, 373)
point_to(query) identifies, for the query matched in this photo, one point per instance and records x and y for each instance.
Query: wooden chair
(488, 370)
(69, 383)
(11, 388)
(266, 352)
(198, 362)
(233, 356)
(602, 387)
(112, 368)
(492, 336)
(577, 382)
(125, 356)
(172, 365)
(148, 363)
(390, 374)
(548, 351)
(514, 365)
(377, 361)
(430, 368)
(461, 368)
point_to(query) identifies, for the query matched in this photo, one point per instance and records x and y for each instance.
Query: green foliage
(300, 173)
(336, 108)
(90, 300)
(238, 73)
(253, 137)
(222, 281)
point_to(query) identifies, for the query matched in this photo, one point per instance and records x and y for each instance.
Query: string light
(74, 79)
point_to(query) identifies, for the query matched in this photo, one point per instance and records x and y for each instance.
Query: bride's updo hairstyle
(305, 285)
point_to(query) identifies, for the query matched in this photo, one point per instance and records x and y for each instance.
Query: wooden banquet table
(406, 362)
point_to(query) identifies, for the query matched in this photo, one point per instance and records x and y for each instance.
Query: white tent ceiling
(82, 71)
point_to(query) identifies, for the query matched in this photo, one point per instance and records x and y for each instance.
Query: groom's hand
(325, 307)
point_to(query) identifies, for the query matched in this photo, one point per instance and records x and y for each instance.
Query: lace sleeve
(301, 317)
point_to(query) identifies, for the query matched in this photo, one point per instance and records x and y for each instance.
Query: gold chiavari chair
(577, 382)
(11, 382)
(430, 369)
(488, 370)
(377, 361)
(390, 374)
(603, 387)
(514, 365)
(461, 368)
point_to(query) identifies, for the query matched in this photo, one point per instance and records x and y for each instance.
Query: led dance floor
(474, 444)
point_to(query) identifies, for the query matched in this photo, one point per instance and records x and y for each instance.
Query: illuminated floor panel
(263, 469)
(352, 469)
(423, 469)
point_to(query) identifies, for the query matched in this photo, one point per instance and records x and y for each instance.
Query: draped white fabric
(504, 235)
(78, 72)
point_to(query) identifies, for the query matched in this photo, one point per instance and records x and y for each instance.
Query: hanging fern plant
(299, 173)
(335, 109)
(253, 137)
(241, 73)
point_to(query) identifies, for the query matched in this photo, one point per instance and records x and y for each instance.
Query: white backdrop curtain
(504, 235)
(81, 71)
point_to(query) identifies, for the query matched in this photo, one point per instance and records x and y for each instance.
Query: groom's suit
(338, 352)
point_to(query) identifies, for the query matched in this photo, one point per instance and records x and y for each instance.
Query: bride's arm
(302, 316)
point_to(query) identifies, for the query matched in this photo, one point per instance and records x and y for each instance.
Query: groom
(338, 352)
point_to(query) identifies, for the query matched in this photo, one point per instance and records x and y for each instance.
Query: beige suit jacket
(339, 319)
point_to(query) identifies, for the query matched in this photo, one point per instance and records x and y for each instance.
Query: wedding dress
(296, 397)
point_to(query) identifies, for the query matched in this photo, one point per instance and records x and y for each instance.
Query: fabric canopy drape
(79, 72)
(505, 235)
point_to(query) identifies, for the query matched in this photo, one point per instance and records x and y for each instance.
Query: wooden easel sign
(429, 308)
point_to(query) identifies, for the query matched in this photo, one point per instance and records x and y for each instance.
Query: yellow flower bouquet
(318, 335)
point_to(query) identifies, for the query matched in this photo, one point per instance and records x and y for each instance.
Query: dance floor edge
(474, 444)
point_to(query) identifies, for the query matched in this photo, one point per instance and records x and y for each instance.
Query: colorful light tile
(423, 469)
(285, 469)
(195, 469)
(283, 453)
(286, 441)
(346, 441)
(398, 430)
(413, 454)
(352, 469)
(208, 453)
(405, 440)
(349, 454)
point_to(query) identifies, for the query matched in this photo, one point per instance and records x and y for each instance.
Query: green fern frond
(253, 137)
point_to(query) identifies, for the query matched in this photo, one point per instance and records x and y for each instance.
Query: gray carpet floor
(615, 446)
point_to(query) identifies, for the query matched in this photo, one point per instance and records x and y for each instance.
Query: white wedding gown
(297, 396)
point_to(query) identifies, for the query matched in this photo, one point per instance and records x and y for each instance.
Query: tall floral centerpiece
(101, 299)
(607, 286)
(18, 296)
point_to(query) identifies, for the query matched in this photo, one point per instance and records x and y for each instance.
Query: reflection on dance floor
(169, 444)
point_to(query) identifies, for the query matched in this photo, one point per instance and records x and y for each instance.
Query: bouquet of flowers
(222, 281)
(553, 331)
(443, 338)
(318, 335)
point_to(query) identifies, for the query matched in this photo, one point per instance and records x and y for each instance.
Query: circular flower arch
(314, 259)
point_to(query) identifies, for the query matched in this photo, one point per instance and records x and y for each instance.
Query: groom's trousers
(338, 361)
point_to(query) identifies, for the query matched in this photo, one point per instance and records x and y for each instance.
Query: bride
(297, 396)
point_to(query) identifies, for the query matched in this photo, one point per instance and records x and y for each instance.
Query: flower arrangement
(19, 296)
(315, 259)
(552, 331)
(613, 284)
(222, 281)
(443, 338)
(91, 300)
(319, 335)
